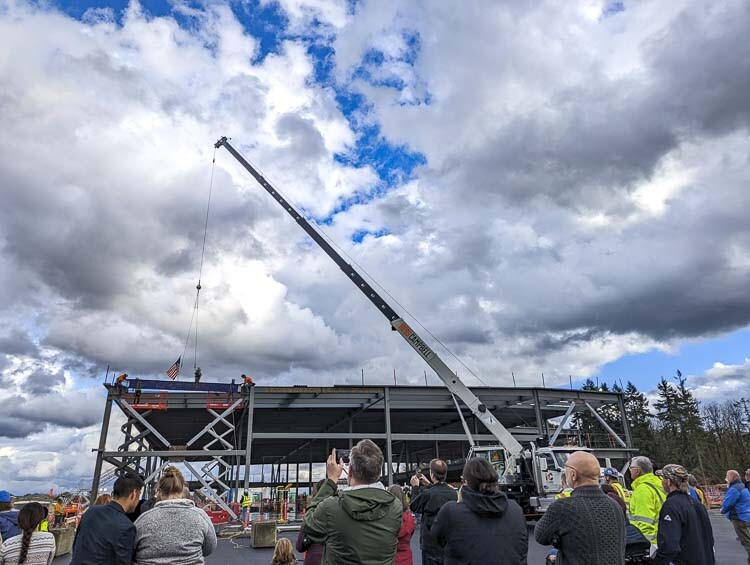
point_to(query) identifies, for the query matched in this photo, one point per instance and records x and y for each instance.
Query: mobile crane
(531, 475)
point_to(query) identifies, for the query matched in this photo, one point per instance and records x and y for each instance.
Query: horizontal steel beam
(177, 453)
(365, 435)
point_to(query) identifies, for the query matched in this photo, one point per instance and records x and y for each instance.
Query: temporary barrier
(715, 494)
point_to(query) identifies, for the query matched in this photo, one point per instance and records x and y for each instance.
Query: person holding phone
(427, 498)
(360, 524)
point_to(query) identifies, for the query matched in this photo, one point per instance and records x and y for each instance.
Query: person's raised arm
(316, 523)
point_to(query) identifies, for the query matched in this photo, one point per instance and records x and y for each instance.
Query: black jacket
(428, 501)
(482, 529)
(685, 536)
(105, 537)
(588, 528)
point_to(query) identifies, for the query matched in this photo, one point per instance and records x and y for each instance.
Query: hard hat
(611, 472)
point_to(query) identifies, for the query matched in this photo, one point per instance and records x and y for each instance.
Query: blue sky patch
(612, 9)
(693, 359)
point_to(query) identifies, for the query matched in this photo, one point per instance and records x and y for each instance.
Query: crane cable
(196, 304)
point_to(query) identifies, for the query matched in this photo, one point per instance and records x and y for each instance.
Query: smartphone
(343, 455)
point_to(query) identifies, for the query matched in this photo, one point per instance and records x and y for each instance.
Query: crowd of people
(592, 521)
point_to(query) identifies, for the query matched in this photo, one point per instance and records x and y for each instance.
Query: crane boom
(449, 378)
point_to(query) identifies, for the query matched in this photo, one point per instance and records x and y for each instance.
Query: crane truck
(532, 475)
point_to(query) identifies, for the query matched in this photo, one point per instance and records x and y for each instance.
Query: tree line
(706, 438)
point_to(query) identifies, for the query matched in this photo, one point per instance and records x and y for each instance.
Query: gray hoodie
(175, 532)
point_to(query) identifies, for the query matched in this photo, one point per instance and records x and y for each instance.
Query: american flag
(174, 370)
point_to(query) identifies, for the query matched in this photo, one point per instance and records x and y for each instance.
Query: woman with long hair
(31, 546)
(484, 526)
(174, 530)
(283, 553)
(102, 499)
(403, 546)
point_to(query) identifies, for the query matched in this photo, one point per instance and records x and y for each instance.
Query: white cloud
(583, 195)
(722, 382)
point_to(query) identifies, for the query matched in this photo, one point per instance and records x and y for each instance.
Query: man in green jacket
(358, 525)
(647, 498)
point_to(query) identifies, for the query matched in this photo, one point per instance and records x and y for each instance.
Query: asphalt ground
(238, 551)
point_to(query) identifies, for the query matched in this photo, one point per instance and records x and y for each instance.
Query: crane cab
(500, 459)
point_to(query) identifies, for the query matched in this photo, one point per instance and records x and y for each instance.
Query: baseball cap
(677, 473)
(611, 472)
(4, 496)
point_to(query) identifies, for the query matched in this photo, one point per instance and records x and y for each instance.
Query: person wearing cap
(647, 498)
(8, 517)
(612, 478)
(736, 507)
(685, 534)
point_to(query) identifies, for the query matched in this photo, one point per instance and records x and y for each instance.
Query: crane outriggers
(533, 475)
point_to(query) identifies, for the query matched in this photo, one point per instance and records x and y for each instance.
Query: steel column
(388, 443)
(102, 446)
(541, 423)
(249, 436)
(624, 418)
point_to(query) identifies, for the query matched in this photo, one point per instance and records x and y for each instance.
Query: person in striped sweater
(31, 547)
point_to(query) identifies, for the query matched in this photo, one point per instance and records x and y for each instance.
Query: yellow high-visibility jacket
(247, 501)
(564, 494)
(621, 492)
(645, 505)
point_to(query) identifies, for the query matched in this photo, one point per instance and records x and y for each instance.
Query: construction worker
(59, 512)
(647, 498)
(612, 478)
(245, 504)
(566, 491)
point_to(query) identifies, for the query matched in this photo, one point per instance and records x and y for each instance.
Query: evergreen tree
(639, 419)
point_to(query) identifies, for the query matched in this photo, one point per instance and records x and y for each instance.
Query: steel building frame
(228, 427)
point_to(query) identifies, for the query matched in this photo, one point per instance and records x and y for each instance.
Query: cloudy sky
(556, 187)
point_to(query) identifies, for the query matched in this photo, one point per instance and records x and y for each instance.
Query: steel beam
(128, 408)
(605, 425)
(164, 454)
(562, 424)
(218, 418)
(215, 497)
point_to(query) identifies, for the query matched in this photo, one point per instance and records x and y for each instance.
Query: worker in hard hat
(566, 490)
(612, 478)
(245, 504)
